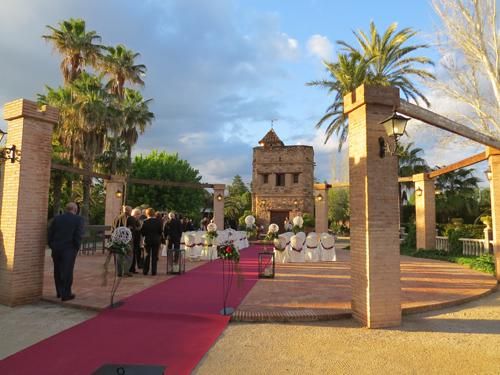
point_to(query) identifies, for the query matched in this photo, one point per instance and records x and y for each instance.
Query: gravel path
(460, 340)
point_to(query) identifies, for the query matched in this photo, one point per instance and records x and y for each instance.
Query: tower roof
(271, 139)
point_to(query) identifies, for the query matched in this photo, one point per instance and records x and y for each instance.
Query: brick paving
(300, 291)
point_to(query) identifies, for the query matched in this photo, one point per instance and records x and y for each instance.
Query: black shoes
(68, 298)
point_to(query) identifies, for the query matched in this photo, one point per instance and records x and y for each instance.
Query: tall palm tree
(391, 63)
(76, 46)
(92, 103)
(136, 117)
(410, 163)
(346, 74)
(119, 64)
(379, 60)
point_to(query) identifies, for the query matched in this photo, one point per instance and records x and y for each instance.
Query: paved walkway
(300, 291)
(459, 340)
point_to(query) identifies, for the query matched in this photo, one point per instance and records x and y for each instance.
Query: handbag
(163, 250)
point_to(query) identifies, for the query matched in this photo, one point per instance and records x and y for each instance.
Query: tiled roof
(271, 139)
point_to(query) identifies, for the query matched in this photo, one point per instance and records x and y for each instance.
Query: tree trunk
(87, 184)
(57, 184)
(114, 155)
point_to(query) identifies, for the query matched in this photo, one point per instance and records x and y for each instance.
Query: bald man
(64, 237)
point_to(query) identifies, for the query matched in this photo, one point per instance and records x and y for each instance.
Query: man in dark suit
(152, 232)
(64, 237)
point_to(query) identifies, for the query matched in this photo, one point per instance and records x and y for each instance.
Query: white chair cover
(192, 252)
(296, 249)
(199, 242)
(280, 249)
(312, 253)
(327, 244)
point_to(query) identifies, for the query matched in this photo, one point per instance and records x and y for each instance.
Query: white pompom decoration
(298, 221)
(212, 227)
(273, 228)
(249, 220)
(121, 235)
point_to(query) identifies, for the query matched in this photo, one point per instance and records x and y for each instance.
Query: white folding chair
(327, 244)
(192, 252)
(296, 249)
(280, 252)
(311, 250)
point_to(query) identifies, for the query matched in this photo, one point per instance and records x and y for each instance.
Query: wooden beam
(139, 181)
(459, 164)
(405, 179)
(169, 183)
(431, 118)
(338, 185)
(79, 171)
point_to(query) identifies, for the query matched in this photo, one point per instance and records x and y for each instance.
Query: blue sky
(220, 70)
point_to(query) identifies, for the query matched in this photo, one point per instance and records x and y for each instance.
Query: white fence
(470, 246)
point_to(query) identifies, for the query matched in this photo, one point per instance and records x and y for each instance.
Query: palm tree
(76, 45)
(410, 162)
(136, 117)
(92, 104)
(346, 74)
(119, 64)
(379, 60)
(391, 63)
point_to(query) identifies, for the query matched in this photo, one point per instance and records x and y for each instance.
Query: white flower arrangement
(211, 231)
(272, 232)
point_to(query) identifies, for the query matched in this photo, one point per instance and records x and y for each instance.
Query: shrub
(308, 220)
(410, 241)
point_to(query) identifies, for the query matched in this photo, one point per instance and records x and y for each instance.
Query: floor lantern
(176, 261)
(266, 265)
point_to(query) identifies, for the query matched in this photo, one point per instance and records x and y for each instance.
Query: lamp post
(395, 127)
(9, 153)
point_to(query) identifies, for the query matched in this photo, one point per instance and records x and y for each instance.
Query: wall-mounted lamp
(295, 202)
(319, 198)
(394, 127)
(438, 192)
(119, 194)
(9, 153)
(418, 192)
(219, 197)
(489, 174)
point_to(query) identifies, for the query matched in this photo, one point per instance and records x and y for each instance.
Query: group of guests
(149, 230)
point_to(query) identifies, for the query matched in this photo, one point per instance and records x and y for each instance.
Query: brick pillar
(374, 202)
(425, 211)
(219, 206)
(24, 201)
(114, 203)
(494, 162)
(321, 207)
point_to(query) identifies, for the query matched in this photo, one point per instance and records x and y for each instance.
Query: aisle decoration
(251, 228)
(230, 256)
(298, 223)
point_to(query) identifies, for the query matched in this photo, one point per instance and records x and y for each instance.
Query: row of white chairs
(199, 247)
(301, 248)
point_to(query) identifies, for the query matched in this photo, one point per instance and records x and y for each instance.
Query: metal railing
(94, 239)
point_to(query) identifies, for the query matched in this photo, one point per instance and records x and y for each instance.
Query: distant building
(282, 180)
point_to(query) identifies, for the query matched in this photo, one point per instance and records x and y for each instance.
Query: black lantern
(266, 265)
(9, 153)
(176, 261)
(395, 127)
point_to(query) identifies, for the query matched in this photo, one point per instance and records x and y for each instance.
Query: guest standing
(152, 231)
(64, 237)
(173, 231)
(135, 226)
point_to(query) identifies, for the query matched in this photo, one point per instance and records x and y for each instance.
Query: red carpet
(173, 323)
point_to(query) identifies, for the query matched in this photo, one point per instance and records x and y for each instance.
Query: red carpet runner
(173, 323)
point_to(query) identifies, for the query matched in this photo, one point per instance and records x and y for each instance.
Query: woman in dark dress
(152, 231)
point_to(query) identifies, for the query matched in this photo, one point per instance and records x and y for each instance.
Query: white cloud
(320, 46)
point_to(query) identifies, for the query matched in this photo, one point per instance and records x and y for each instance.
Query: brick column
(425, 211)
(494, 163)
(219, 206)
(24, 201)
(321, 207)
(114, 203)
(374, 202)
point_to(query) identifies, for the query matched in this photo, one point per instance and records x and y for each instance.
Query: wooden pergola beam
(139, 181)
(431, 118)
(459, 164)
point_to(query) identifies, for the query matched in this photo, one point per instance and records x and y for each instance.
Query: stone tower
(282, 180)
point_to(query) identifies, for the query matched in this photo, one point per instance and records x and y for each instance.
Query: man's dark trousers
(64, 263)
